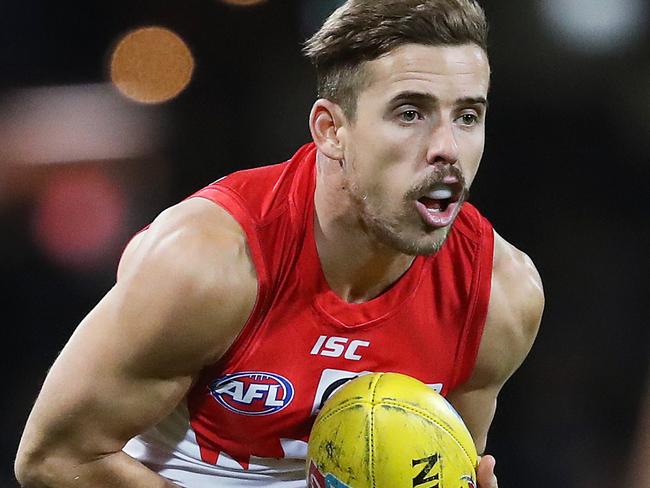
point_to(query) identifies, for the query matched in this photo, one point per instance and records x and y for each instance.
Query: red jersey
(302, 341)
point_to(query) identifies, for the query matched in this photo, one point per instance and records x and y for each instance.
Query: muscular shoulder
(192, 233)
(192, 264)
(517, 298)
(514, 315)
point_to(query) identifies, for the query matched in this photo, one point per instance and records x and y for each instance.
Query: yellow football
(388, 430)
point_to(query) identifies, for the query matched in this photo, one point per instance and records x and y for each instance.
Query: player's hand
(485, 473)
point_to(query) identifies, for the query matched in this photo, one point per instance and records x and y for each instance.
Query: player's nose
(443, 148)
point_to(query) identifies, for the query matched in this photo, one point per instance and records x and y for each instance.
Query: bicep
(177, 306)
(477, 408)
(105, 386)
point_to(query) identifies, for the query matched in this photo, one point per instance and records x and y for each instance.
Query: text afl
(252, 392)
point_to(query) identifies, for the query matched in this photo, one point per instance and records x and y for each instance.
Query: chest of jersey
(262, 402)
(303, 342)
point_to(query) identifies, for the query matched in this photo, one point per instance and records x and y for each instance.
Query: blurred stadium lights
(74, 123)
(79, 218)
(596, 26)
(63, 150)
(314, 12)
(151, 65)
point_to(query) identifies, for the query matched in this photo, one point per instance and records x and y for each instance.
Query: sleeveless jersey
(247, 419)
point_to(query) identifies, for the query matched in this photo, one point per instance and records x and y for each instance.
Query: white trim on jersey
(171, 450)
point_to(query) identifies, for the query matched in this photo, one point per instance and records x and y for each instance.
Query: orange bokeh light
(151, 65)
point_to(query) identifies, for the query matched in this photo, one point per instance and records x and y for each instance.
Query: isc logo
(335, 347)
(252, 392)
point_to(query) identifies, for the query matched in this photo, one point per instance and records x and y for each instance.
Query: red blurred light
(79, 217)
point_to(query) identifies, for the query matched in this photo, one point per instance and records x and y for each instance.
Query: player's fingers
(485, 472)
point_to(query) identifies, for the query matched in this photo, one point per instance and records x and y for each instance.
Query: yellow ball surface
(388, 430)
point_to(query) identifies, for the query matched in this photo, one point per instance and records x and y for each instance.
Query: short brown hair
(363, 30)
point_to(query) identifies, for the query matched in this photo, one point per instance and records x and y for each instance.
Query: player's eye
(409, 116)
(469, 119)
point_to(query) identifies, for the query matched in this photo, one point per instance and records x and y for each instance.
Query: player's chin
(412, 236)
(435, 240)
(423, 242)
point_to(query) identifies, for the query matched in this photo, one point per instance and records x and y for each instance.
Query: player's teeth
(440, 194)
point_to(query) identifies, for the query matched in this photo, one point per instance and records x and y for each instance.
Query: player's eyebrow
(415, 97)
(429, 100)
(473, 101)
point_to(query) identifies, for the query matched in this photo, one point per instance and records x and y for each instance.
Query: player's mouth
(439, 205)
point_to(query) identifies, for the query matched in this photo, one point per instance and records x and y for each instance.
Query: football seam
(385, 401)
(372, 432)
(343, 407)
(432, 419)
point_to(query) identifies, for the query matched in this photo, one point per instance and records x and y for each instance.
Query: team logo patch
(252, 392)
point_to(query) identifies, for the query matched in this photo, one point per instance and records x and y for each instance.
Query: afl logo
(252, 392)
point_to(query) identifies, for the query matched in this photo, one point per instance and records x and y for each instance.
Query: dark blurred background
(564, 177)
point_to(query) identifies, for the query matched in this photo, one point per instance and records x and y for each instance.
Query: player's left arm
(514, 315)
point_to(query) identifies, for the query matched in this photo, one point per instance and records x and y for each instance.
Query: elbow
(36, 469)
(26, 471)
(481, 444)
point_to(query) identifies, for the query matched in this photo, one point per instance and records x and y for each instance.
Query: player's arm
(185, 287)
(514, 314)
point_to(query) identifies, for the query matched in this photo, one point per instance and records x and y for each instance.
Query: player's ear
(325, 123)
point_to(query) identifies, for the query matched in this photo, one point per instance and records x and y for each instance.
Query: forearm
(114, 470)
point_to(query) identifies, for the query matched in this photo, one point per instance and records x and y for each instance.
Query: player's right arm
(185, 288)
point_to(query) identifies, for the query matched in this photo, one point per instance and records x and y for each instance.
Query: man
(238, 312)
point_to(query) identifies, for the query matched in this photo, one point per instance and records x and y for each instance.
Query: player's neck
(356, 266)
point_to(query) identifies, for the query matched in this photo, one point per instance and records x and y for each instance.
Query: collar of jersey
(333, 308)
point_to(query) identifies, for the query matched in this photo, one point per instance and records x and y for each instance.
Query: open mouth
(437, 207)
(441, 196)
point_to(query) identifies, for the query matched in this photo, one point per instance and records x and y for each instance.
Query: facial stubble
(393, 232)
